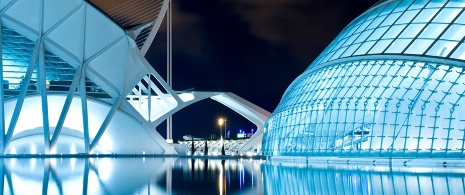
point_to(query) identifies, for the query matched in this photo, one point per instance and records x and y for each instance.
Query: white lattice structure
(72, 71)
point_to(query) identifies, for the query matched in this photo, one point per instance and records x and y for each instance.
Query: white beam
(106, 122)
(43, 93)
(155, 27)
(2, 101)
(21, 96)
(64, 111)
(85, 114)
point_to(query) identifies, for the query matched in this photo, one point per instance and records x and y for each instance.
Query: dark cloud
(253, 48)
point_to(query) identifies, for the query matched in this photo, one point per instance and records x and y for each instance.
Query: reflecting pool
(217, 176)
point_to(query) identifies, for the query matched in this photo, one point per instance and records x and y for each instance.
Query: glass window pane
(433, 31)
(456, 3)
(375, 12)
(436, 4)
(327, 56)
(363, 36)
(459, 52)
(388, 8)
(442, 48)
(350, 40)
(412, 31)
(418, 4)
(407, 16)
(446, 15)
(375, 23)
(377, 34)
(380, 46)
(461, 19)
(398, 46)
(390, 19)
(364, 48)
(425, 15)
(350, 50)
(419, 46)
(394, 31)
(403, 5)
(455, 32)
(362, 27)
(339, 44)
(338, 53)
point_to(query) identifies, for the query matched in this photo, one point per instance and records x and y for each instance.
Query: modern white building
(75, 79)
(390, 84)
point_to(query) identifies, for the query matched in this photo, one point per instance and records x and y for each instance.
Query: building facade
(75, 79)
(67, 68)
(390, 84)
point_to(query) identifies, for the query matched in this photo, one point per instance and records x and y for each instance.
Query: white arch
(248, 110)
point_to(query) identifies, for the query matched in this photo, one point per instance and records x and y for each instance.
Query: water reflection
(130, 176)
(216, 176)
(345, 179)
(202, 176)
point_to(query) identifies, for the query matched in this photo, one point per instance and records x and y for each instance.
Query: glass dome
(391, 84)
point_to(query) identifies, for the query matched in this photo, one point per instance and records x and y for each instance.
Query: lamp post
(220, 123)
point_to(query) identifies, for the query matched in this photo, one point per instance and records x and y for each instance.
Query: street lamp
(220, 123)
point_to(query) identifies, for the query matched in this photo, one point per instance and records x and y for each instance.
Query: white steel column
(106, 122)
(64, 111)
(43, 93)
(169, 66)
(2, 94)
(82, 88)
(85, 114)
(46, 177)
(149, 95)
(41, 82)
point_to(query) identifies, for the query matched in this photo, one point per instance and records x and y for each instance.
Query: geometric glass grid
(423, 28)
(16, 54)
(371, 108)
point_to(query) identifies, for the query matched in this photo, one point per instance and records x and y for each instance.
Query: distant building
(392, 83)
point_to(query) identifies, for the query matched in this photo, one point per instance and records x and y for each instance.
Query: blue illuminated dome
(391, 84)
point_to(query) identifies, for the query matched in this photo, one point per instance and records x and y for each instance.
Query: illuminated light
(13, 162)
(72, 149)
(33, 149)
(105, 167)
(220, 182)
(33, 163)
(12, 150)
(53, 162)
(73, 163)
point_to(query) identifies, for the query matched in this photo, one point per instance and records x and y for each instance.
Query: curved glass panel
(390, 21)
(400, 97)
(373, 108)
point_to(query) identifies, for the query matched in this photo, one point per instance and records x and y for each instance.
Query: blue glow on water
(216, 176)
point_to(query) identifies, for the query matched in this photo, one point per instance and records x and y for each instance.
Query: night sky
(253, 48)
